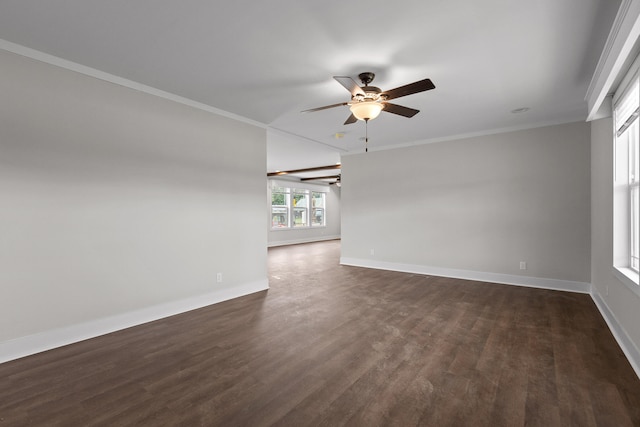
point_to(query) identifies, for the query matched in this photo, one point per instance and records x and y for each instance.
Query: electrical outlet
(373, 252)
(523, 265)
(219, 277)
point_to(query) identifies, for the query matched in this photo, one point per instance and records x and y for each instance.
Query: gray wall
(618, 303)
(114, 201)
(293, 236)
(480, 204)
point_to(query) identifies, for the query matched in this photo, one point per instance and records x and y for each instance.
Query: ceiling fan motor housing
(371, 93)
(366, 78)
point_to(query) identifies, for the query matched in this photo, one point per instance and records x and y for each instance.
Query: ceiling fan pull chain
(366, 135)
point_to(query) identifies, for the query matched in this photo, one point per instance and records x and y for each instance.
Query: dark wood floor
(331, 345)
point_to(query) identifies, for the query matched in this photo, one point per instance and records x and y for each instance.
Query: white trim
(101, 75)
(507, 279)
(626, 344)
(299, 241)
(619, 46)
(295, 135)
(293, 229)
(626, 84)
(487, 132)
(298, 185)
(628, 277)
(32, 344)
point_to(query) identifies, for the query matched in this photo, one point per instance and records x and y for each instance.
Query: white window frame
(298, 207)
(286, 207)
(625, 180)
(315, 209)
(290, 190)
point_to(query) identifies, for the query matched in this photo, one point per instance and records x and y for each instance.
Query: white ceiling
(267, 61)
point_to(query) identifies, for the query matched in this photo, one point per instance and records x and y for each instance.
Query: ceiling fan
(368, 101)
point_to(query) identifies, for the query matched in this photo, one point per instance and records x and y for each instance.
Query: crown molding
(111, 78)
(620, 45)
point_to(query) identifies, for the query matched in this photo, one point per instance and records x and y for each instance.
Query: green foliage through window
(296, 208)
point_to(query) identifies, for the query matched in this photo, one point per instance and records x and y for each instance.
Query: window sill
(315, 227)
(628, 277)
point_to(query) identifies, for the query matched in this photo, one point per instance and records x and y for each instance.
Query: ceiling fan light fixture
(366, 110)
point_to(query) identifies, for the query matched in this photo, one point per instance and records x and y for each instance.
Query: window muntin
(634, 185)
(626, 179)
(318, 209)
(297, 208)
(280, 207)
(300, 208)
(635, 224)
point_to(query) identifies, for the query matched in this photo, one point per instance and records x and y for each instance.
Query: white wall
(475, 208)
(619, 305)
(118, 205)
(331, 231)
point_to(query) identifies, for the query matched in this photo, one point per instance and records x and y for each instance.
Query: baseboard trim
(628, 347)
(299, 241)
(36, 343)
(507, 279)
(626, 344)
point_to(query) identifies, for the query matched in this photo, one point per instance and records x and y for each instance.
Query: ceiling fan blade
(409, 89)
(350, 85)
(325, 107)
(351, 119)
(399, 109)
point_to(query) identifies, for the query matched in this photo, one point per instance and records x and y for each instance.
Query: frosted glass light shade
(366, 110)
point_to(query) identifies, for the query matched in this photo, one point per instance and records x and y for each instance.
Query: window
(300, 208)
(297, 207)
(317, 206)
(626, 180)
(280, 208)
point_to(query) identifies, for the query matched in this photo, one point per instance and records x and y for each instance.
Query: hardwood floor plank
(335, 345)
